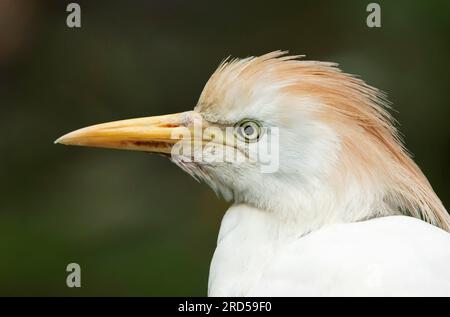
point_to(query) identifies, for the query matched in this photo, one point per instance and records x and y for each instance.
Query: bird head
(299, 139)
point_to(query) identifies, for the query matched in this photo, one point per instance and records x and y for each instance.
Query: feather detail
(372, 149)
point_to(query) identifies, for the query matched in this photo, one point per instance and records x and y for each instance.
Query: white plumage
(389, 256)
(340, 216)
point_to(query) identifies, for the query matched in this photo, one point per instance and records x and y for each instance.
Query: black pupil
(249, 130)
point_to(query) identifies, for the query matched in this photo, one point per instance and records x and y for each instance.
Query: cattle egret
(345, 212)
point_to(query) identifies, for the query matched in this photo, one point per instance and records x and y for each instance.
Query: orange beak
(151, 134)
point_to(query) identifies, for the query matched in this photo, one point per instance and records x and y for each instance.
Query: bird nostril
(169, 125)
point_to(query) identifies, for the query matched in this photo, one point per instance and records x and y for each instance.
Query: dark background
(135, 223)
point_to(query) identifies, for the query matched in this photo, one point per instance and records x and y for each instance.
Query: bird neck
(301, 208)
(248, 238)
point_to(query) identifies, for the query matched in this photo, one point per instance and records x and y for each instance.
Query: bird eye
(248, 130)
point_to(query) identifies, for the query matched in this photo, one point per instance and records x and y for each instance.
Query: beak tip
(68, 138)
(61, 140)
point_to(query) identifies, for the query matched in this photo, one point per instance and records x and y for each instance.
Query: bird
(343, 211)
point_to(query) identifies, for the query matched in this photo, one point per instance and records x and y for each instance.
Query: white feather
(259, 255)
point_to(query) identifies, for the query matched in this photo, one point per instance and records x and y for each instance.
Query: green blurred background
(135, 223)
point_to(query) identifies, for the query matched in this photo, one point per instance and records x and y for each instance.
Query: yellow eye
(248, 130)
